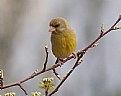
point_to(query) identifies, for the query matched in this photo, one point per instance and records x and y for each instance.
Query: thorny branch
(80, 54)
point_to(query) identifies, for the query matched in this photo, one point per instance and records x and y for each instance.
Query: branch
(65, 78)
(79, 54)
(46, 60)
(82, 52)
(22, 88)
(102, 35)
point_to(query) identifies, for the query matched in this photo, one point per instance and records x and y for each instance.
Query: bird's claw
(74, 55)
(59, 62)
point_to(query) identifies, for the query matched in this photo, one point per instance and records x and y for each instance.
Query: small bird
(63, 38)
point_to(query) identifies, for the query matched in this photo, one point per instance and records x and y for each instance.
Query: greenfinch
(63, 38)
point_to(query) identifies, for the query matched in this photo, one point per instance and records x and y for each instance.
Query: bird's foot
(74, 55)
(59, 61)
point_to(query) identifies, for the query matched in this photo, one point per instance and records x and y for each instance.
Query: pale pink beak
(52, 29)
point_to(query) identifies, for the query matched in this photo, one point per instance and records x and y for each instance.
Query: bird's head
(58, 25)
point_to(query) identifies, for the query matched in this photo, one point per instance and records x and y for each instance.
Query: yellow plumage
(63, 38)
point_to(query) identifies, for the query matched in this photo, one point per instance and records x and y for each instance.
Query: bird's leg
(74, 55)
(56, 61)
(59, 61)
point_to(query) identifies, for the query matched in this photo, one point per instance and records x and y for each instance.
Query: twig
(58, 60)
(80, 54)
(56, 74)
(68, 74)
(102, 35)
(1, 78)
(46, 92)
(22, 88)
(46, 59)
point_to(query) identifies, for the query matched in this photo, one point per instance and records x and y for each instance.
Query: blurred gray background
(24, 33)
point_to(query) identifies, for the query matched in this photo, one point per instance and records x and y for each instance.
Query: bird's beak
(52, 29)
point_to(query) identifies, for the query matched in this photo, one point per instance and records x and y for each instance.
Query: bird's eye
(56, 25)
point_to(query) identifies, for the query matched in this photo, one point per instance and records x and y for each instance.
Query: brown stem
(46, 60)
(46, 93)
(64, 78)
(100, 36)
(22, 88)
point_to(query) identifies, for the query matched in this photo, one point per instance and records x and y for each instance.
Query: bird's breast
(63, 44)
